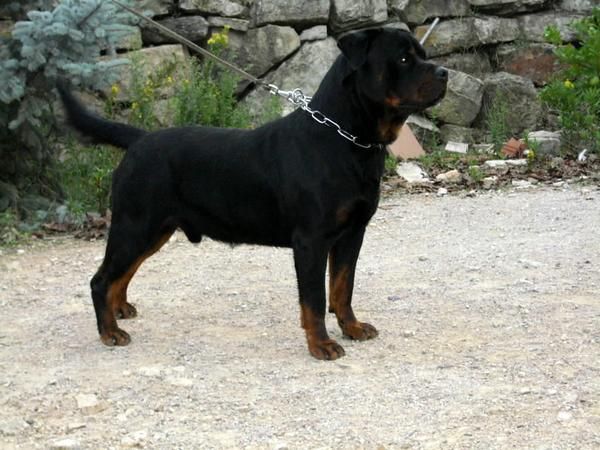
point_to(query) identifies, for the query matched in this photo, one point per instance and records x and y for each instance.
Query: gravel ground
(488, 310)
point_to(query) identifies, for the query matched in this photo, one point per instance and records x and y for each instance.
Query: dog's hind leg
(310, 259)
(125, 252)
(342, 266)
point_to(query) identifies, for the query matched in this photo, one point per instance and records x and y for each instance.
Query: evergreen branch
(91, 13)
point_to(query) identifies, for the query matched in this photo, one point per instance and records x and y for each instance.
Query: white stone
(548, 142)
(65, 444)
(457, 147)
(452, 176)
(412, 173)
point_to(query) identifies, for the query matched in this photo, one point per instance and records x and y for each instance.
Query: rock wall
(494, 48)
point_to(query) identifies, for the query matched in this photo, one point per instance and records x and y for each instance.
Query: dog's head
(390, 69)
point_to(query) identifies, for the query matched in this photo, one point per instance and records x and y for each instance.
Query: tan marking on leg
(320, 345)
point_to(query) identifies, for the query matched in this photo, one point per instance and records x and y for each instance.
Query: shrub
(575, 92)
(206, 96)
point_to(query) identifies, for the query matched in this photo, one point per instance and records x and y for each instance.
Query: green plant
(9, 228)
(575, 91)
(497, 120)
(86, 177)
(476, 174)
(206, 96)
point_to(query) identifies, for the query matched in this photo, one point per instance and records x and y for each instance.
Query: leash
(296, 96)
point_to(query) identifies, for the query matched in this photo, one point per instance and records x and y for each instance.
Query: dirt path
(489, 317)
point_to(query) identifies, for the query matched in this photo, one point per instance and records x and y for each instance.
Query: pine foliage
(63, 42)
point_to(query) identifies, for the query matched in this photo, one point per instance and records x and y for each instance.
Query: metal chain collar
(297, 98)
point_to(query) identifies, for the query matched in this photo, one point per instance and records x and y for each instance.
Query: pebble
(564, 416)
(65, 444)
(89, 404)
(135, 439)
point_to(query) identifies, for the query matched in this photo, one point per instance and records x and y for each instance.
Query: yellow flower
(134, 106)
(569, 84)
(115, 89)
(170, 79)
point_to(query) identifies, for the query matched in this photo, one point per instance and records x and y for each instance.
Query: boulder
(448, 37)
(258, 50)
(534, 61)
(507, 7)
(224, 8)
(493, 30)
(233, 24)
(151, 60)
(284, 12)
(462, 102)
(578, 6)
(155, 7)
(546, 142)
(348, 14)
(418, 11)
(476, 64)
(456, 133)
(524, 109)
(315, 33)
(426, 132)
(304, 70)
(193, 28)
(533, 25)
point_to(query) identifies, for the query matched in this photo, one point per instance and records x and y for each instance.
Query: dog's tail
(105, 131)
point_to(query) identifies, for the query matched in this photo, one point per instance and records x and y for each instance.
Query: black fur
(291, 183)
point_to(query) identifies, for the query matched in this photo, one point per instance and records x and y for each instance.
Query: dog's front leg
(310, 259)
(342, 266)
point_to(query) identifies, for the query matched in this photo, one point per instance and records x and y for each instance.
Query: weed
(9, 228)
(497, 120)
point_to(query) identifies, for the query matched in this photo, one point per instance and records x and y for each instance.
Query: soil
(488, 308)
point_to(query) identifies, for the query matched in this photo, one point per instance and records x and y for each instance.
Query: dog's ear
(355, 46)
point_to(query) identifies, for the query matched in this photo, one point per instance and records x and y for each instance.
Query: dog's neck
(339, 98)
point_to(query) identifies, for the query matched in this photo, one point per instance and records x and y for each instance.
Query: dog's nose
(441, 73)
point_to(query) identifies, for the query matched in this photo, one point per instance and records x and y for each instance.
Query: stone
(89, 404)
(524, 108)
(462, 102)
(502, 163)
(564, 416)
(304, 70)
(452, 176)
(315, 33)
(131, 41)
(258, 50)
(546, 142)
(284, 12)
(533, 26)
(493, 30)
(156, 7)
(193, 28)
(456, 133)
(231, 23)
(348, 14)
(424, 129)
(225, 8)
(151, 59)
(441, 192)
(534, 61)
(412, 173)
(457, 147)
(65, 444)
(507, 7)
(448, 37)
(578, 6)
(489, 182)
(13, 426)
(476, 64)
(418, 11)
(521, 184)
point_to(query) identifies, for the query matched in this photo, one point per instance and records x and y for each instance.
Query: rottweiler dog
(292, 183)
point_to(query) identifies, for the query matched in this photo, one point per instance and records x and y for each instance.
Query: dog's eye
(404, 60)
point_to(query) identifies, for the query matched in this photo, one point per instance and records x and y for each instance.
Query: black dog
(291, 183)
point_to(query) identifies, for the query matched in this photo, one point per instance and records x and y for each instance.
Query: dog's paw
(326, 350)
(115, 337)
(126, 311)
(360, 331)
